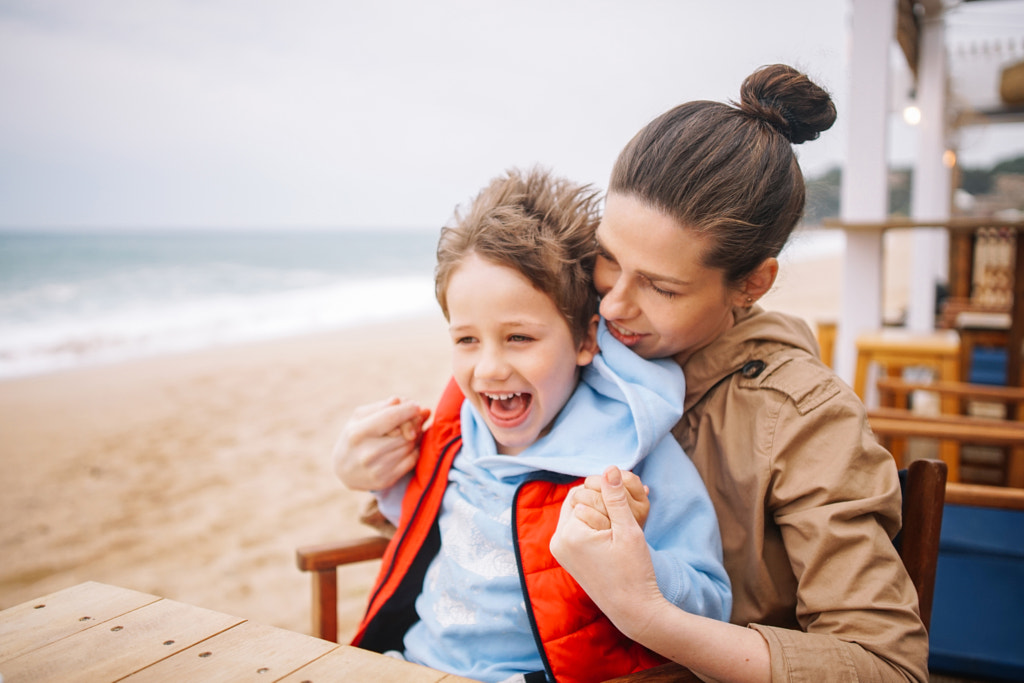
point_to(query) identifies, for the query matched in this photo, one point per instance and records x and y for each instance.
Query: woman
(700, 204)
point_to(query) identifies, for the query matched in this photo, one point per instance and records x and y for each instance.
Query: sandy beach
(195, 476)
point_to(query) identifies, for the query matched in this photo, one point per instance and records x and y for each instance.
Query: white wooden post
(865, 194)
(932, 192)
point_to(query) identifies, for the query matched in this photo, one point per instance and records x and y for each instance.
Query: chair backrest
(924, 494)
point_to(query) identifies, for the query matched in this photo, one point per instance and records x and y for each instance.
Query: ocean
(76, 298)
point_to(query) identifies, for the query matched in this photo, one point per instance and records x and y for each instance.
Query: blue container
(988, 365)
(979, 594)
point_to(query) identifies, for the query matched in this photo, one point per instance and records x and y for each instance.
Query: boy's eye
(519, 338)
(465, 340)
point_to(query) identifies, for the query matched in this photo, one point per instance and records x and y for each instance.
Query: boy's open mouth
(508, 410)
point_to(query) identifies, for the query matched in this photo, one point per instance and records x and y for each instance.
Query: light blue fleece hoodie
(473, 617)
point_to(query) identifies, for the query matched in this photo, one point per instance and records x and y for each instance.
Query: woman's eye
(664, 292)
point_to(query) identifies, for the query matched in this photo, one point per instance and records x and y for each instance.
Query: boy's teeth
(501, 397)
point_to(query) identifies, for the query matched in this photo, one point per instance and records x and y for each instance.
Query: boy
(468, 584)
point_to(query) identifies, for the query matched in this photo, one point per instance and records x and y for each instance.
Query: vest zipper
(522, 581)
(419, 504)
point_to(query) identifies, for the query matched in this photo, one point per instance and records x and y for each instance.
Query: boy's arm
(683, 535)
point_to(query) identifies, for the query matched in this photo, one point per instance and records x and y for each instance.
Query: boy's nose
(491, 366)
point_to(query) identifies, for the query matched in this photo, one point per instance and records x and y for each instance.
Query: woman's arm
(379, 444)
(835, 499)
(614, 567)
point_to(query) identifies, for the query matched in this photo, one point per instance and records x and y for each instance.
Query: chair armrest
(316, 558)
(323, 561)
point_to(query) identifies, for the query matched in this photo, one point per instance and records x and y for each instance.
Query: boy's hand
(379, 444)
(613, 565)
(590, 506)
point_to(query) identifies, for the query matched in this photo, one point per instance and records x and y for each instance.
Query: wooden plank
(898, 423)
(1014, 345)
(347, 663)
(907, 33)
(961, 265)
(960, 389)
(247, 652)
(955, 223)
(980, 495)
(121, 645)
(37, 623)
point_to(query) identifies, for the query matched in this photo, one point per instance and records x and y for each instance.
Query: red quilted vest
(576, 641)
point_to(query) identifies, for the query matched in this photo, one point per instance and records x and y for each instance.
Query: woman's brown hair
(728, 171)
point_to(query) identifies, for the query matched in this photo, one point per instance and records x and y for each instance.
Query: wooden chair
(924, 493)
(323, 562)
(923, 486)
(893, 422)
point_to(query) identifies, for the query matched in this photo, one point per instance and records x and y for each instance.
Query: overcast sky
(318, 113)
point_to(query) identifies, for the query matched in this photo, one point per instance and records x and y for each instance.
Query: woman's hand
(379, 444)
(613, 566)
(590, 506)
(613, 563)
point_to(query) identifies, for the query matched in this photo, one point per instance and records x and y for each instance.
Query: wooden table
(96, 632)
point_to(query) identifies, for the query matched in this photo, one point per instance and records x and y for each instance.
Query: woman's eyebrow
(603, 250)
(656, 277)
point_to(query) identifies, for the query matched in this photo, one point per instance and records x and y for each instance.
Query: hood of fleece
(623, 406)
(757, 334)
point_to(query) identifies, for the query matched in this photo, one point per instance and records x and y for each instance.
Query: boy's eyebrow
(508, 324)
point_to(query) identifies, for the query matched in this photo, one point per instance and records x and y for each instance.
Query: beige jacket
(808, 503)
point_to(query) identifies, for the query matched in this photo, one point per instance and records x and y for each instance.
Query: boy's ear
(588, 348)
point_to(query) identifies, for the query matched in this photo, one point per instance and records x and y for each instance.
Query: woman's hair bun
(788, 100)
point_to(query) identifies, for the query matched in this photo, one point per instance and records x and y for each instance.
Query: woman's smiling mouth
(627, 337)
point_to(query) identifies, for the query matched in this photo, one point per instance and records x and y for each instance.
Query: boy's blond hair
(537, 224)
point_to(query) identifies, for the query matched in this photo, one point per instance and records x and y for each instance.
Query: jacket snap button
(752, 369)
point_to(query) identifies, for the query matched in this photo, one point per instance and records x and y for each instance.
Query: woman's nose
(618, 303)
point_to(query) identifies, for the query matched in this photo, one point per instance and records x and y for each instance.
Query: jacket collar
(756, 335)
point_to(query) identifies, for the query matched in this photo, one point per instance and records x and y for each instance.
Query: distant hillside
(823, 191)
